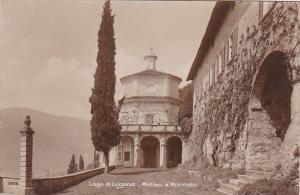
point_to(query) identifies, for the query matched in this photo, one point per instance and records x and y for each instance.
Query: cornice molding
(152, 99)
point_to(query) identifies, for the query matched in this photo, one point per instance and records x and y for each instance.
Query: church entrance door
(174, 151)
(127, 151)
(150, 152)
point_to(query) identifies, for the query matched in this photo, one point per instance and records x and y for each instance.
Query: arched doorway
(174, 151)
(270, 112)
(150, 152)
(126, 151)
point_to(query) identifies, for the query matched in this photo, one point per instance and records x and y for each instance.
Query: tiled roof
(216, 19)
(151, 73)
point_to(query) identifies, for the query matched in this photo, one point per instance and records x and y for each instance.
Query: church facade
(150, 135)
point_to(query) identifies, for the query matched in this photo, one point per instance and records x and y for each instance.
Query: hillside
(55, 139)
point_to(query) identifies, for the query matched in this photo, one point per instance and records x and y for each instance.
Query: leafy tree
(73, 167)
(105, 128)
(186, 97)
(81, 163)
(186, 109)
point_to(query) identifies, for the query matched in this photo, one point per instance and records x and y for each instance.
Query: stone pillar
(185, 152)
(136, 152)
(26, 146)
(292, 137)
(163, 153)
(295, 103)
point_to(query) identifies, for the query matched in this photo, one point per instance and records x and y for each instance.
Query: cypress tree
(72, 166)
(81, 163)
(96, 159)
(105, 128)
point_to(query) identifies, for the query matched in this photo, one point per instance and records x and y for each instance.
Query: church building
(150, 135)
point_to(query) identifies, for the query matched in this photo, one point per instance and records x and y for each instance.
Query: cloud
(125, 64)
(61, 87)
(48, 49)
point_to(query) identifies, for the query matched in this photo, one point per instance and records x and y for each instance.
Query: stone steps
(224, 191)
(229, 189)
(237, 182)
(235, 185)
(249, 179)
(197, 173)
(262, 174)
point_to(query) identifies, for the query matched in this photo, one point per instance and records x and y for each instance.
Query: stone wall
(50, 184)
(53, 184)
(9, 185)
(223, 118)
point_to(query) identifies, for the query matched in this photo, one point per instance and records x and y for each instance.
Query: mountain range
(55, 139)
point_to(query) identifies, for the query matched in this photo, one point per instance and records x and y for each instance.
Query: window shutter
(209, 77)
(217, 67)
(235, 40)
(226, 52)
(260, 10)
(207, 81)
(213, 73)
(223, 58)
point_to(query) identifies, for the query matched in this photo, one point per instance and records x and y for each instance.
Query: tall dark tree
(186, 98)
(186, 109)
(104, 123)
(72, 166)
(96, 159)
(81, 163)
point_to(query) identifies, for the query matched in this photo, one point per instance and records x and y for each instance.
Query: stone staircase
(235, 185)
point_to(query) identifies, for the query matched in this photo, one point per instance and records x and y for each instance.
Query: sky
(48, 48)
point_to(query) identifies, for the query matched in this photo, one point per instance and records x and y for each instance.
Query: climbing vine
(222, 111)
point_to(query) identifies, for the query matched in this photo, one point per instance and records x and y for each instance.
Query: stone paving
(131, 181)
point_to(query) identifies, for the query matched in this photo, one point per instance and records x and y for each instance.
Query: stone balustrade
(150, 128)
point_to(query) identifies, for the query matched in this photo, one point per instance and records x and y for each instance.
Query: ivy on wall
(222, 111)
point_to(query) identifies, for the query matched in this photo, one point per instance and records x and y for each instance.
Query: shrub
(270, 187)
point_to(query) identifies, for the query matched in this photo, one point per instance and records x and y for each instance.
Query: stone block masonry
(48, 185)
(51, 185)
(248, 116)
(26, 151)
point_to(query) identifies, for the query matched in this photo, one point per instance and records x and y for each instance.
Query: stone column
(291, 140)
(26, 146)
(185, 151)
(295, 103)
(136, 148)
(163, 154)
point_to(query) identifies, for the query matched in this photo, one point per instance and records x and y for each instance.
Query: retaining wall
(54, 184)
(9, 184)
(49, 185)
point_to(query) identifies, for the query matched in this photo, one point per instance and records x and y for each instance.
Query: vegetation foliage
(186, 98)
(81, 163)
(73, 166)
(105, 128)
(270, 187)
(225, 105)
(186, 109)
